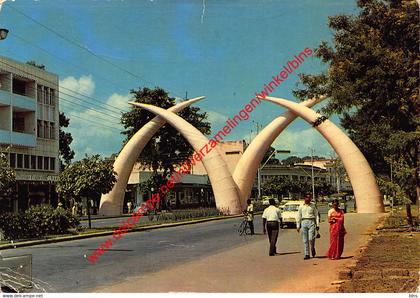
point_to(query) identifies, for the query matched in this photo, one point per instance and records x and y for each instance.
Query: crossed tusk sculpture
(231, 190)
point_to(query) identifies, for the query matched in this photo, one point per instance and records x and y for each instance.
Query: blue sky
(224, 50)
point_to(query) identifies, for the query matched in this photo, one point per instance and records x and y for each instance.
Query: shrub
(37, 221)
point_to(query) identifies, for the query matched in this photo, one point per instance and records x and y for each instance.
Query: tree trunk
(88, 213)
(417, 179)
(409, 216)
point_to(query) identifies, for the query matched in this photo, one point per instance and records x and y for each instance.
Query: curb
(345, 273)
(84, 218)
(107, 233)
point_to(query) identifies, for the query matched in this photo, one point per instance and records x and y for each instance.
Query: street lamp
(261, 167)
(3, 33)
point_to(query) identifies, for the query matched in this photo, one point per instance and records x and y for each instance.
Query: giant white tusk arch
(247, 167)
(366, 191)
(224, 187)
(112, 203)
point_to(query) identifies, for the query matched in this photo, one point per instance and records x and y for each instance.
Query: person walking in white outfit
(308, 221)
(271, 218)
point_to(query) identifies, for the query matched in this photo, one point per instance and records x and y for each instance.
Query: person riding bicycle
(249, 214)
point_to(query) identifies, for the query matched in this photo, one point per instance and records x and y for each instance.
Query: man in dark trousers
(250, 215)
(271, 218)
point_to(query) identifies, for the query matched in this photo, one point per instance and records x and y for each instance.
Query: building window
(26, 161)
(52, 131)
(13, 160)
(52, 101)
(46, 163)
(39, 165)
(19, 87)
(39, 129)
(19, 161)
(39, 93)
(33, 162)
(46, 130)
(18, 123)
(45, 98)
(52, 163)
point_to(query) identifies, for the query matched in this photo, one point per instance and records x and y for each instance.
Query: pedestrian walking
(250, 215)
(307, 222)
(337, 231)
(271, 218)
(129, 206)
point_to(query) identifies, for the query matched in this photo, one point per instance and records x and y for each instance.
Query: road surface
(146, 255)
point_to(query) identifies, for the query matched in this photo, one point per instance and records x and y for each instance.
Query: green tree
(291, 160)
(322, 188)
(282, 185)
(372, 83)
(89, 177)
(167, 148)
(65, 139)
(274, 186)
(7, 176)
(273, 159)
(33, 63)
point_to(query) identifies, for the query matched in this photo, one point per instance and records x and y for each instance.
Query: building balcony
(16, 100)
(17, 138)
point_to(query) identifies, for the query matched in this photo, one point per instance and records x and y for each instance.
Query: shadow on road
(288, 253)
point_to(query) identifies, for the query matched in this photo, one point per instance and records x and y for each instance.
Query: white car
(265, 201)
(290, 212)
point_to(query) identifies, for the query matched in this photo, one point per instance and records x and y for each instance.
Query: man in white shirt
(250, 215)
(308, 221)
(271, 218)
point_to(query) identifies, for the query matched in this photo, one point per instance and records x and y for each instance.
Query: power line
(88, 108)
(97, 124)
(75, 103)
(60, 58)
(61, 87)
(82, 47)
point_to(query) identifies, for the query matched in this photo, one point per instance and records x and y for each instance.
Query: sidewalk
(248, 268)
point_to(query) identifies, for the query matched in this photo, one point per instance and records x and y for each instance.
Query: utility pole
(312, 174)
(259, 167)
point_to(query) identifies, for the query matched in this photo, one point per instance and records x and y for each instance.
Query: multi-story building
(230, 151)
(192, 190)
(29, 132)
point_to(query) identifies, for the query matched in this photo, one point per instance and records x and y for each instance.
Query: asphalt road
(65, 269)
(249, 269)
(110, 222)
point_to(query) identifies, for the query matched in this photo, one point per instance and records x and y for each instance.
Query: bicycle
(244, 227)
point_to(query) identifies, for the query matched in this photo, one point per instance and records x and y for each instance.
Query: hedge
(36, 222)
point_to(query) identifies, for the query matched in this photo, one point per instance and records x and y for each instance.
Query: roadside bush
(187, 214)
(37, 221)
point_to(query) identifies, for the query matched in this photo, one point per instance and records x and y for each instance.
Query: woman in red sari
(337, 231)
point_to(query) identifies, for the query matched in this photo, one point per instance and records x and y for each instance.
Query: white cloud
(216, 118)
(95, 126)
(84, 85)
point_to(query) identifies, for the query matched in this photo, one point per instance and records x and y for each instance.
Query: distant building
(195, 189)
(231, 152)
(192, 191)
(29, 132)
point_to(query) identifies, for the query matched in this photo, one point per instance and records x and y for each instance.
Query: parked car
(266, 203)
(290, 211)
